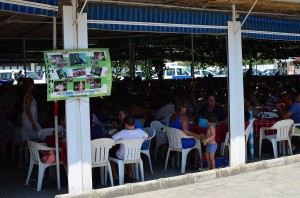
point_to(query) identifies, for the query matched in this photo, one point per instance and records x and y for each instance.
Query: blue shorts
(211, 148)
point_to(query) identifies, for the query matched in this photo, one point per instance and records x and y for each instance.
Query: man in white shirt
(128, 133)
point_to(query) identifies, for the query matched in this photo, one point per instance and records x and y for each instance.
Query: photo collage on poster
(77, 73)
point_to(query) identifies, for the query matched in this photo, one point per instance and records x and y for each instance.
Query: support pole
(56, 117)
(56, 144)
(77, 110)
(236, 96)
(54, 33)
(193, 63)
(131, 64)
(250, 63)
(24, 55)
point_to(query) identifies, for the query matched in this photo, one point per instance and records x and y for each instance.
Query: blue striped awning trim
(40, 7)
(268, 24)
(160, 29)
(48, 2)
(276, 36)
(150, 19)
(154, 15)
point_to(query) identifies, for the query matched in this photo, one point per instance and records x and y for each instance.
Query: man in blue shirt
(293, 111)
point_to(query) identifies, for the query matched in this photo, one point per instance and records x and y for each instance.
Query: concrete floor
(12, 180)
(280, 181)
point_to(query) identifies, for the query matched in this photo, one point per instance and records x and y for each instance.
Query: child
(210, 142)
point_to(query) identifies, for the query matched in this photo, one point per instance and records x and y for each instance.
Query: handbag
(47, 157)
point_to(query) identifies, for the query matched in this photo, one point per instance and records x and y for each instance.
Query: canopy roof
(32, 20)
(286, 8)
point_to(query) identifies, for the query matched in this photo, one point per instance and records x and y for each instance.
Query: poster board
(78, 73)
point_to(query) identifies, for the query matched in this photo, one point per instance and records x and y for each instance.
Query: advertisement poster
(77, 73)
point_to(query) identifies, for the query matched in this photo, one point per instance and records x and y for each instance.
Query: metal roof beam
(31, 4)
(189, 8)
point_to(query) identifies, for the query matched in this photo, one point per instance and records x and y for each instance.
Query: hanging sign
(77, 73)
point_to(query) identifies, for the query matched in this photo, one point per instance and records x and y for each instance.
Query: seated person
(298, 97)
(166, 110)
(179, 120)
(192, 106)
(96, 131)
(95, 119)
(130, 132)
(212, 107)
(272, 99)
(122, 114)
(293, 111)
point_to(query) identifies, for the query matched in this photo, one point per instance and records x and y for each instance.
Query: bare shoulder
(184, 118)
(212, 128)
(28, 98)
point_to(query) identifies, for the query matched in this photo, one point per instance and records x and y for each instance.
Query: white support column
(236, 96)
(77, 112)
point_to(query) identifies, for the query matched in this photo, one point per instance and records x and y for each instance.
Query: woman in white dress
(30, 125)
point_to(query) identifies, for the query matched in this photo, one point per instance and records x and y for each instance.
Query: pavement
(280, 181)
(12, 180)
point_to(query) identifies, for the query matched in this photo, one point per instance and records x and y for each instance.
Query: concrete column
(77, 111)
(236, 96)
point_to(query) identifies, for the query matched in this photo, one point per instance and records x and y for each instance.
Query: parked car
(175, 72)
(222, 73)
(202, 73)
(4, 81)
(15, 74)
(255, 72)
(269, 72)
(140, 74)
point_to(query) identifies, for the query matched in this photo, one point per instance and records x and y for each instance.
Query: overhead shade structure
(167, 20)
(149, 19)
(271, 28)
(35, 7)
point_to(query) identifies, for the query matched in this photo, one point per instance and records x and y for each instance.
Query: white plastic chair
(34, 149)
(165, 120)
(174, 138)
(100, 153)
(151, 134)
(43, 133)
(225, 144)
(282, 127)
(161, 137)
(247, 133)
(132, 156)
(293, 132)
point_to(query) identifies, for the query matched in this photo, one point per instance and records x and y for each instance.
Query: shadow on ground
(12, 180)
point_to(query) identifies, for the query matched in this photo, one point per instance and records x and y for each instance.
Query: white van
(202, 72)
(175, 72)
(13, 74)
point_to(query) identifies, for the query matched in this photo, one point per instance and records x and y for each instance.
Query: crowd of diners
(175, 103)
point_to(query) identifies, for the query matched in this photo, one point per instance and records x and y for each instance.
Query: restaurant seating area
(159, 160)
